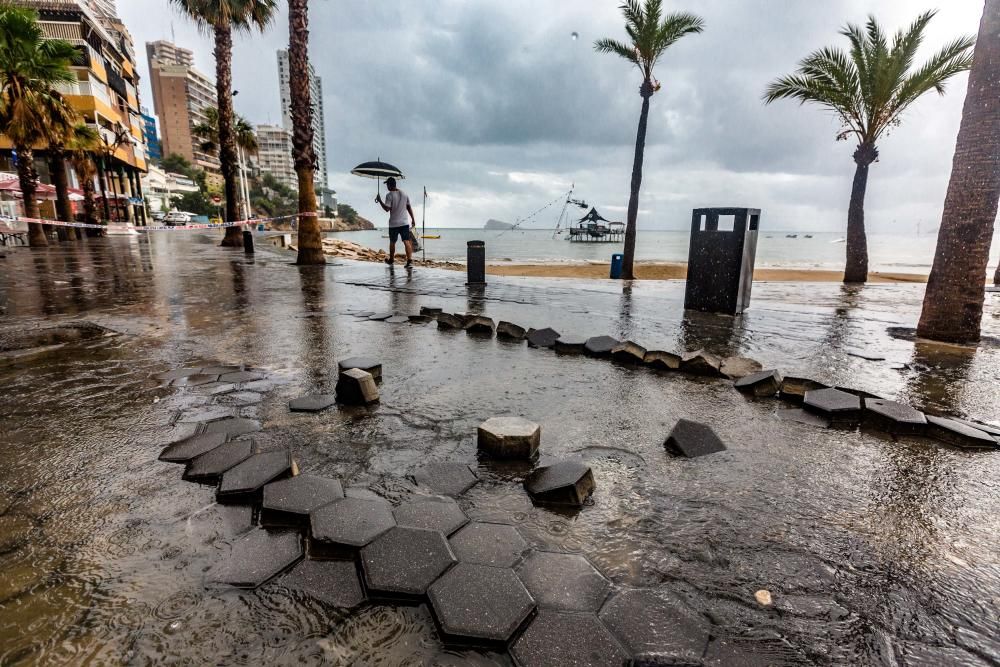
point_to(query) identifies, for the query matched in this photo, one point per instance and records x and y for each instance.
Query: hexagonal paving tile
(450, 479)
(569, 344)
(480, 603)
(834, 404)
(628, 352)
(893, 417)
(649, 621)
(493, 544)
(351, 522)
(664, 361)
(510, 331)
(189, 448)
(380, 317)
(233, 427)
(479, 325)
(564, 638)
(735, 368)
(241, 376)
(600, 346)
(257, 557)
(509, 438)
(542, 337)
(691, 439)
(250, 476)
(700, 362)
(356, 387)
(367, 364)
(561, 483)
(433, 513)
(760, 384)
(794, 388)
(177, 374)
(399, 319)
(333, 582)
(221, 370)
(959, 434)
(312, 403)
(211, 465)
(405, 561)
(563, 581)
(195, 380)
(450, 321)
(293, 499)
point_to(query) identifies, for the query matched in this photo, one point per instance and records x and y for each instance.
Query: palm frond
(650, 33)
(617, 48)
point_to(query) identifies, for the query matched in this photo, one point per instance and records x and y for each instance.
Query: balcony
(94, 89)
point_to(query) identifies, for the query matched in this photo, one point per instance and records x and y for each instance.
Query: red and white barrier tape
(167, 228)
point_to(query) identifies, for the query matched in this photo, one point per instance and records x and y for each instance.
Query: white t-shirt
(397, 201)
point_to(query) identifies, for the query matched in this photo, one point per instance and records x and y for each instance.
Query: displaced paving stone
(211, 465)
(801, 416)
(312, 403)
(510, 331)
(405, 561)
(432, 513)
(562, 483)
(250, 476)
(735, 368)
(351, 522)
(379, 317)
(570, 344)
(218, 522)
(419, 319)
(509, 438)
(234, 427)
(332, 582)
(205, 413)
(450, 321)
(691, 439)
(563, 581)
(450, 479)
(664, 361)
(367, 364)
(893, 417)
(195, 380)
(834, 404)
(257, 557)
(363, 314)
(700, 362)
(241, 376)
(356, 387)
(221, 370)
(430, 312)
(292, 500)
(985, 428)
(562, 638)
(860, 393)
(601, 346)
(656, 622)
(398, 319)
(479, 324)
(542, 337)
(628, 352)
(794, 388)
(178, 373)
(760, 384)
(479, 602)
(189, 448)
(493, 544)
(958, 434)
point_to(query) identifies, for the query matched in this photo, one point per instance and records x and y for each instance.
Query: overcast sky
(497, 110)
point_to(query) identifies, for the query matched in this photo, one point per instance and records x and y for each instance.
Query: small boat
(838, 241)
(808, 236)
(791, 236)
(430, 236)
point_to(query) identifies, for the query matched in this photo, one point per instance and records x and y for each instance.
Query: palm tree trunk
(646, 91)
(64, 209)
(227, 141)
(28, 180)
(996, 276)
(857, 240)
(102, 179)
(309, 238)
(85, 172)
(953, 302)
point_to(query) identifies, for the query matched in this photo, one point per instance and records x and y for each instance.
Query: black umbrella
(378, 170)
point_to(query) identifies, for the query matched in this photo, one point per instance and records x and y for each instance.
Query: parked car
(175, 218)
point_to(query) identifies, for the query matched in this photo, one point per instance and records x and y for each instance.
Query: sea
(911, 253)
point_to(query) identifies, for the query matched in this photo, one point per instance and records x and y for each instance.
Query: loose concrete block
(760, 384)
(568, 344)
(700, 362)
(958, 434)
(210, 466)
(233, 427)
(398, 319)
(190, 448)
(628, 352)
(241, 376)
(450, 479)
(794, 389)
(509, 438)
(479, 325)
(356, 387)
(562, 483)
(893, 417)
(656, 622)
(834, 404)
(664, 361)
(480, 603)
(367, 364)
(691, 439)
(290, 501)
(735, 368)
(257, 557)
(332, 582)
(567, 582)
(405, 561)
(431, 513)
(493, 544)
(563, 638)
(450, 321)
(195, 380)
(380, 317)
(430, 312)
(351, 522)
(249, 477)
(312, 403)
(510, 331)
(601, 346)
(542, 337)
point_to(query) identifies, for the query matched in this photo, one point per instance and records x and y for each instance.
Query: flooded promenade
(875, 549)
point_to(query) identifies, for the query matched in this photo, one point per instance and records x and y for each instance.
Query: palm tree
(222, 17)
(30, 66)
(650, 34)
(208, 133)
(80, 148)
(309, 238)
(953, 303)
(868, 89)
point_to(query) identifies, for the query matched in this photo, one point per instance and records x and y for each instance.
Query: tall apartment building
(319, 132)
(274, 154)
(181, 94)
(104, 93)
(151, 135)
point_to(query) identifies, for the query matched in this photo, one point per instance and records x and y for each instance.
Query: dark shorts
(399, 232)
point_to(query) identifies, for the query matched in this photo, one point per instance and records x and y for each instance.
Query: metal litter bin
(617, 261)
(721, 259)
(476, 262)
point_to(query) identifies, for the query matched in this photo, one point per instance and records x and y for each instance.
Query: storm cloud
(496, 109)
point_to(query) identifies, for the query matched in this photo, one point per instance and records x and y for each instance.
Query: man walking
(397, 205)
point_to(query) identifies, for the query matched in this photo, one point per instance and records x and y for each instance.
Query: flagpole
(423, 225)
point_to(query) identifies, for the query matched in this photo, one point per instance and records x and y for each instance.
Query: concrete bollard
(248, 242)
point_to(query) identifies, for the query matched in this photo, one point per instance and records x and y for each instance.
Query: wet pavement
(876, 549)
